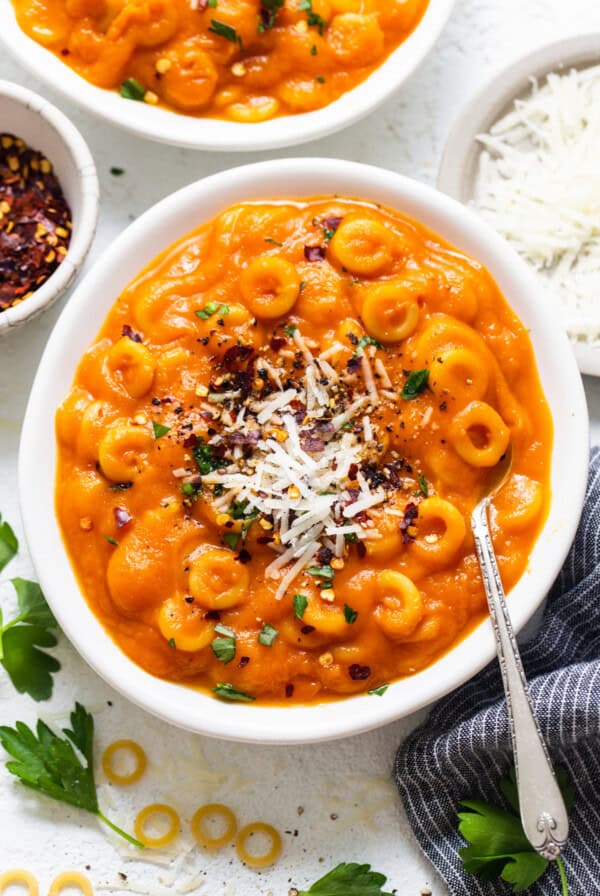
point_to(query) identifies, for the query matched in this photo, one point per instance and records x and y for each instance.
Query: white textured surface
(349, 778)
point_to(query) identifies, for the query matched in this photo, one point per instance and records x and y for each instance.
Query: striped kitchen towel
(463, 749)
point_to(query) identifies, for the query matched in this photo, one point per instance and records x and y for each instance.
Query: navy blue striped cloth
(463, 749)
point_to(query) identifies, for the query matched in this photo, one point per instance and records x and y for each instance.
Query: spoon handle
(543, 812)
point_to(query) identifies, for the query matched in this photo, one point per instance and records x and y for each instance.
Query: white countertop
(350, 811)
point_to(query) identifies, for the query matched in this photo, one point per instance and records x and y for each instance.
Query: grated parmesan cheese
(538, 185)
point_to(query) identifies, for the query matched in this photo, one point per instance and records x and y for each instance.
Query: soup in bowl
(267, 457)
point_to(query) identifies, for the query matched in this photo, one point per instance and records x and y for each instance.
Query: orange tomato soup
(269, 456)
(241, 60)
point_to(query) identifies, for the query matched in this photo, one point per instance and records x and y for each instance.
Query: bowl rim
(457, 170)
(326, 721)
(86, 186)
(175, 129)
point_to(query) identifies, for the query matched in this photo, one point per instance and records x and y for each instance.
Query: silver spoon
(543, 812)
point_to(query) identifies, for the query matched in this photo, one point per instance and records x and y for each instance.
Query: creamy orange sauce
(406, 374)
(240, 60)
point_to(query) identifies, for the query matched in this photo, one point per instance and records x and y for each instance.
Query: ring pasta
(140, 762)
(251, 858)
(229, 59)
(16, 877)
(199, 826)
(271, 451)
(70, 879)
(152, 812)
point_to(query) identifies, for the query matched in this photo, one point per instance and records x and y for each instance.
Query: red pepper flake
(411, 512)
(35, 221)
(215, 615)
(244, 660)
(289, 690)
(244, 556)
(359, 673)
(314, 253)
(307, 629)
(131, 334)
(122, 517)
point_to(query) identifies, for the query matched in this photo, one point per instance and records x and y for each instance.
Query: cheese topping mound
(302, 462)
(539, 186)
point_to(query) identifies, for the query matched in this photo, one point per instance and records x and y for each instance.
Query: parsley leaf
(350, 615)
(223, 30)
(363, 342)
(224, 649)
(213, 308)
(322, 572)
(267, 635)
(9, 544)
(349, 879)
(312, 17)
(228, 692)
(132, 90)
(159, 429)
(423, 487)
(290, 329)
(417, 382)
(206, 458)
(497, 845)
(48, 763)
(300, 605)
(378, 692)
(232, 539)
(29, 668)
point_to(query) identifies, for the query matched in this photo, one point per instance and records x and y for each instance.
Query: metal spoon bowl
(543, 812)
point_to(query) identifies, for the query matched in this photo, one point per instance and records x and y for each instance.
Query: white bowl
(457, 174)
(43, 127)
(77, 328)
(206, 133)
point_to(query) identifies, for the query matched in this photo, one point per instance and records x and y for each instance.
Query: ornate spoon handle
(543, 812)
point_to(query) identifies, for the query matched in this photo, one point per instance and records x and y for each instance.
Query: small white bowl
(212, 134)
(43, 127)
(78, 327)
(457, 174)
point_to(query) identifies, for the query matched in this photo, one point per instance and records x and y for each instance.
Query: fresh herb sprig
(29, 668)
(417, 382)
(497, 845)
(349, 879)
(9, 544)
(45, 762)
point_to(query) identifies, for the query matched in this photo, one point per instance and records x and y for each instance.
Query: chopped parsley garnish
(267, 635)
(300, 605)
(9, 544)
(498, 847)
(50, 764)
(423, 486)
(417, 382)
(290, 329)
(273, 242)
(238, 511)
(350, 615)
(378, 692)
(221, 29)
(159, 429)
(320, 79)
(132, 90)
(213, 308)
(232, 539)
(323, 572)
(224, 647)
(313, 50)
(268, 14)
(351, 538)
(349, 879)
(312, 17)
(364, 341)
(171, 643)
(189, 490)
(205, 458)
(112, 541)
(29, 668)
(117, 172)
(228, 692)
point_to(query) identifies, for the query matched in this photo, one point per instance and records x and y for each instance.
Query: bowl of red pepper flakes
(48, 204)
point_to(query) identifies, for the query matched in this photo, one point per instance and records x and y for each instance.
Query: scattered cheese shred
(538, 185)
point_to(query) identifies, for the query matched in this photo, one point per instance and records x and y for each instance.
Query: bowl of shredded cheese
(524, 154)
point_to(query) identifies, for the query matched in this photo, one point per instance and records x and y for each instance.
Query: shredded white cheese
(538, 184)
